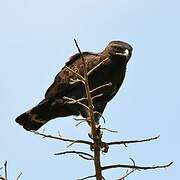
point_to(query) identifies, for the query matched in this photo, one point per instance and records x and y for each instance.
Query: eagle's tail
(39, 115)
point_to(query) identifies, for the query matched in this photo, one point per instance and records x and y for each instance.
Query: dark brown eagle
(112, 67)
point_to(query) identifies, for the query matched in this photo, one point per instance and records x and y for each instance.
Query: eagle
(106, 71)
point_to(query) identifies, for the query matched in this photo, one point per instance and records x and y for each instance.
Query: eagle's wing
(61, 84)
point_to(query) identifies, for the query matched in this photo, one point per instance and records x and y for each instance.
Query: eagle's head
(119, 48)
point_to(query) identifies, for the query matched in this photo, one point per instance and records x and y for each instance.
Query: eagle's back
(63, 80)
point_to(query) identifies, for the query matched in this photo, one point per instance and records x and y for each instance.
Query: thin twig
(19, 176)
(80, 153)
(100, 87)
(82, 121)
(79, 119)
(113, 131)
(61, 138)
(73, 81)
(104, 120)
(6, 171)
(74, 72)
(134, 164)
(87, 177)
(96, 96)
(74, 101)
(135, 167)
(132, 141)
(71, 99)
(86, 158)
(127, 174)
(92, 70)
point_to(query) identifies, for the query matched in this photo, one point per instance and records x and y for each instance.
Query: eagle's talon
(104, 147)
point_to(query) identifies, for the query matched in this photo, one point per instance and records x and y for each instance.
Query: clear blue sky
(36, 39)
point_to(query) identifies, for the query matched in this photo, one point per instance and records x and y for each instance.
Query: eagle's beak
(124, 53)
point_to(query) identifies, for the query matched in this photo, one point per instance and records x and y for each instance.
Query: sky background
(36, 39)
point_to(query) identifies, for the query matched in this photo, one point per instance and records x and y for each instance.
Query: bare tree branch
(73, 81)
(96, 135)
(92, 70)
(80, 153)
(96, 96)
(127, 174)
(96, 112)
(74, 72)
(132, 141)
(100, 87)
(61, 138)
(90, 102)
(18, 177)
(87, 177)
(6, 171)
(73, 100)
(112, 131)
(135, 167)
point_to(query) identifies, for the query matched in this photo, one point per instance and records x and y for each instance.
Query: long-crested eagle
(112, 67)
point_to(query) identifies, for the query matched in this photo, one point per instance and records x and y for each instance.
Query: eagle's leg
(97, 140)
(98, 127)
(102, 145)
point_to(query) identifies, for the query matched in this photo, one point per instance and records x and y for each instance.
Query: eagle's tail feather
(28, 122)
(37, 116)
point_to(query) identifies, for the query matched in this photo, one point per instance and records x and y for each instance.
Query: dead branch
(92, 70)
(73, 81)
(96, 112)
(132, 141)
(95, 134)
(96, 96)
(112, 131)
(127, 174)
(62, 139)
(100, 87)
(136, 167)
(6, 170)
(18, 177)
(90, 103)
(74, 72)
(79, 153)
(74, 100)
(87, 177)
(82, 121)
